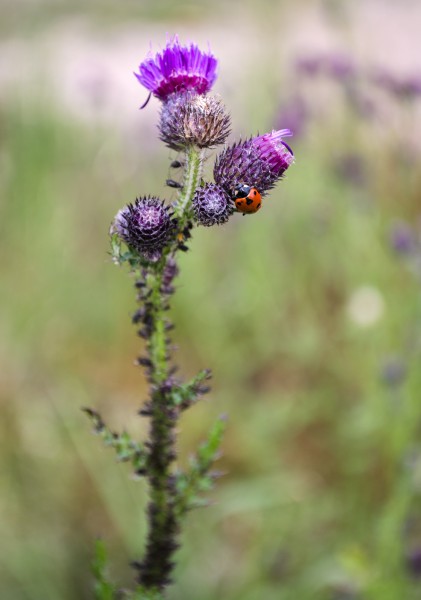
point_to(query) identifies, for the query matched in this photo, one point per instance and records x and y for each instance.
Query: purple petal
(177, 69)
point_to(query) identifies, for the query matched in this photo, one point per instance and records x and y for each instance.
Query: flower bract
(193, 119)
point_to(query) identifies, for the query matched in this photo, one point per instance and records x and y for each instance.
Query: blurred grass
(318, 493)
(30, 16)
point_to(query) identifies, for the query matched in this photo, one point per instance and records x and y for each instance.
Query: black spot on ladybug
(249, 201)
(259, 205)
(254, 193)
(240, 203)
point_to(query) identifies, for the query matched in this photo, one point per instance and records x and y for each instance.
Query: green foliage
(184, 395)
(120, 256)
(198, 478)
(104, 590)
(126, 449)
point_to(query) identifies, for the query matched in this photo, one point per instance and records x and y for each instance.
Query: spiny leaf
(186, 394)
(197, 478)
(125, 447)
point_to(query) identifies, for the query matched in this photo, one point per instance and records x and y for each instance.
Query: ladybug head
(242, 191)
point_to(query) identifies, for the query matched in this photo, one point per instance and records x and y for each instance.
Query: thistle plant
(149, 235)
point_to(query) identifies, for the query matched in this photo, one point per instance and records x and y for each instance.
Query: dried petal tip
(177, 69)
(212, 206)
(258, 162)
(145, 226)
(192, 119)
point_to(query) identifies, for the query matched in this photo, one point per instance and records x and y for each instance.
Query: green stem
(192, 175)
(156, 566)
(157, 347)
(157, 344)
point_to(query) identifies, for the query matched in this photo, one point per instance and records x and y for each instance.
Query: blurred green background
(308, 312)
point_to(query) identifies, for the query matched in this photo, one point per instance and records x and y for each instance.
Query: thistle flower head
(211, 205)
(191, 118)
(177, 69)
(145, 226)
(258, 162)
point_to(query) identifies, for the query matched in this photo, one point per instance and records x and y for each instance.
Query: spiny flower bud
(211, 205)
(258, 162)
(178, 69)
(145, 226)
(189, 118)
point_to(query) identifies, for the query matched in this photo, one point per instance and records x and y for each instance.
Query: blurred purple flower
(309, 65)
(393, 371)
(413, 562)
(177, 69)
(403, 88)
(352, 168)
(339, 66)
(294, 114)
(258, 161)
(402, 238)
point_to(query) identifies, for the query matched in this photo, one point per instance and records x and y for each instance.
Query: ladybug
(247, 198)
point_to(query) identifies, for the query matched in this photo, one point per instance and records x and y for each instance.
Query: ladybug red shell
(247, 199)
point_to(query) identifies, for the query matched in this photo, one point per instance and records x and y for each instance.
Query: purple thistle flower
(309, 65)
(258, 162)
(145, 226)
(295, 114)
(177, 69)
(393, 371)
(211, 205)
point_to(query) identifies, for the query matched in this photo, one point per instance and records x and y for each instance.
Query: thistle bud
(192, 119)
(260, 162)
(211, 205)
(145, 226)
